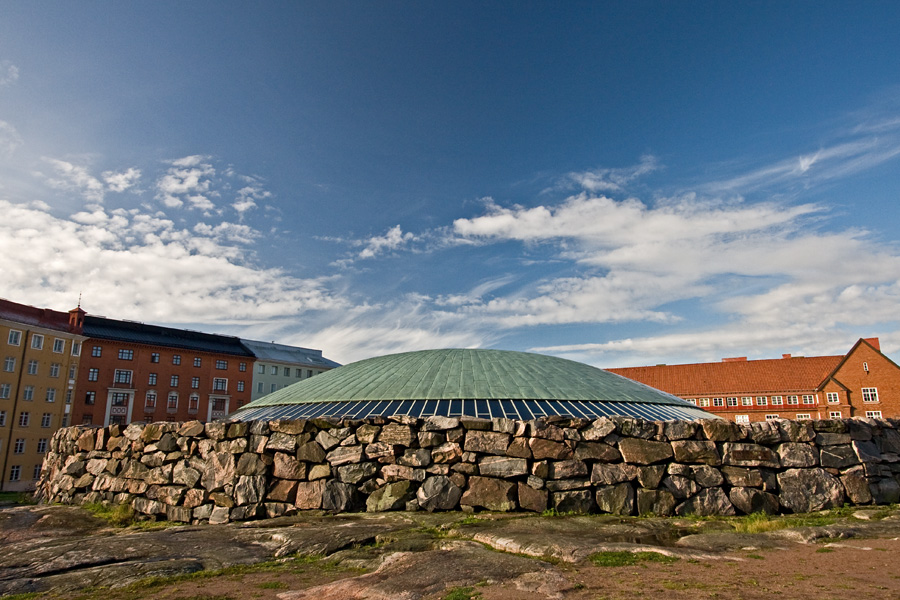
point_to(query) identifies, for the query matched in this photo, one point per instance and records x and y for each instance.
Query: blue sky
(620, 183)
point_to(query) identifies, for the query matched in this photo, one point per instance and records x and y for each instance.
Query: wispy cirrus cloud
(394, 239)
(9, 73)
(9, 139)
(612, 179)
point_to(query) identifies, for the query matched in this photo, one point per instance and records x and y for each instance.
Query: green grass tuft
(462, 593)
(623, 558)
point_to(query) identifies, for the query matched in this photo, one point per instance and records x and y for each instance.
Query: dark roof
(156, 335)
(34, 316)
(469, 382)
(272, 352)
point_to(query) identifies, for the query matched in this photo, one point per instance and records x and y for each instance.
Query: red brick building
(863, 382)
(138, 372)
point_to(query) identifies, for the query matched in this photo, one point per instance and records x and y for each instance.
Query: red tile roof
(732, 378)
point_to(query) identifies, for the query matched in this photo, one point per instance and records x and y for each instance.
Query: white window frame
(742, 419)
(54, 369)
(772, 417)
(51, 395)
(873, 414)
(15, 472)
(835, 414)
(9, 364)
(37, 341)
(870, 394)
(42, 446)
(762, 401)
(59, 345)
(803, 417)
(24, 418)
(832, 397)
(76, 348)
(718, 402)
(123, 376)
(15, 337)
(220, 384)
(5, 390)
(809, 399)
(746, 400)
(793, 399)
(150, 400)
(46, 420)
(172, 401)
(731, 400)
(33, 367)
(28, 393)
(704, 402)
(776, 400)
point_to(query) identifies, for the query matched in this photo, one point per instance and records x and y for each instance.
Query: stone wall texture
(219, 472)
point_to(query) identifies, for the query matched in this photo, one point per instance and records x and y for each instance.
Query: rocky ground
(56, 551)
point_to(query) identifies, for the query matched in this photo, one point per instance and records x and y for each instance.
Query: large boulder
(808, 490)
(490, 493)
(438, 493)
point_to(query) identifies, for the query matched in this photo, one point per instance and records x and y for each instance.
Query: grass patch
(272, 585)
(117, 515)
(462, 593)
(622, 559)
(756, 556)
(822, 550)
(25, 596)
(16, 498)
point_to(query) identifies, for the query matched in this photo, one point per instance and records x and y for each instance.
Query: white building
(278, 366)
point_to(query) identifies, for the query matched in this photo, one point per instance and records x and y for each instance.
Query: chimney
(785, 356)
(874, 343)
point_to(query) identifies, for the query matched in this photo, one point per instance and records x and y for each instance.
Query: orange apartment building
(138, 372)
(862, 383)
(41, 349)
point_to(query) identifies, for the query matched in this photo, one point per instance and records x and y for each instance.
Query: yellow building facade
(39, 354)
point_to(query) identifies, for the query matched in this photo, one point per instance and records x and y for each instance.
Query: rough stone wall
(219, 472)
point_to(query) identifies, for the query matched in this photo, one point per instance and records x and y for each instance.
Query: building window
(287, 372)
(746, 401)
(221, 365)
(776, 400)
(28, 393)
(273, 387)
(220, 384)
(195, 383)
(24, 419)
(870, 394)
(2, 418)
(793, 400)
(93, 374)
(37, 471)
(5, 390)
(691, 400)
(718, 402)
(64, 422)
(46, 419)
(197, 361)
(298, 373)
(834, 414)
(120, 399)
(90, 397)
(9, 365)
(704, 401)
(732, 401)
(151, 379)
(87, 419)
(242, 367)
(20, 446)
(240, 386)
(125, 354)
(76, 348)
(59, 346)
(873, 414)
(173, 382)
(742, 419)
(32, 367)
(96, 351)
(802, 416)
(73, 371)
(42, 446)
(176, 359)
(150, 400)
(761, 401)
(122, 376)
(273, 370)
(310, 372)
(51, 394)
(832, 397)
(218, 405)
(261, 369)
(808, 399)
(172, 402)
(37, 341)
(54, 370)
(69, 396)
(154, 357)
(15, 472)
(866, 367)
(259, 387)
(15, 337)
(193, 403)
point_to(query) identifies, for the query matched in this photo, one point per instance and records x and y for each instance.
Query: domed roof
(467, 382)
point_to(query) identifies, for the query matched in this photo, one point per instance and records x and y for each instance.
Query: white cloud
(138, 266)
(613, 180)
(121, 181)
(187, 180)
(9, 139)
(248, 197)
(394, 239)
(9, 73)
(70, 176)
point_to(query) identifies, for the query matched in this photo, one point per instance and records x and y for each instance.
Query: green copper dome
(462, 382)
